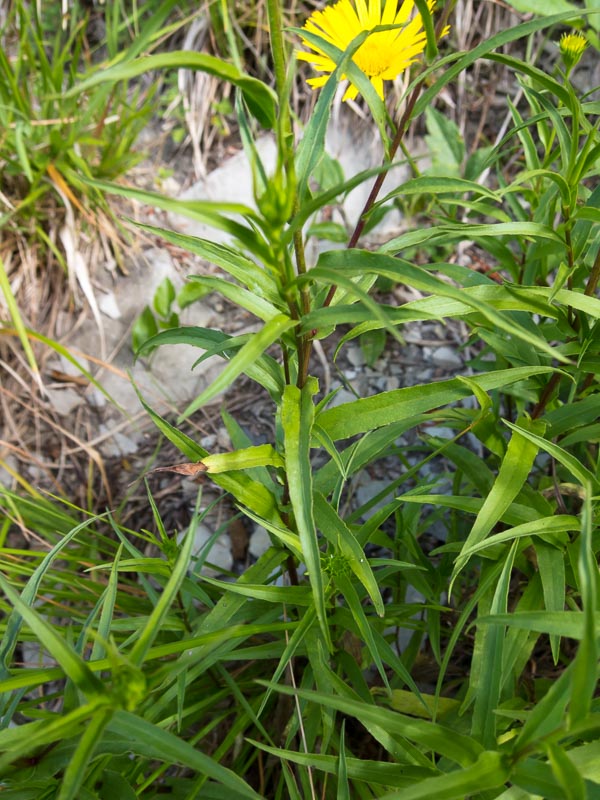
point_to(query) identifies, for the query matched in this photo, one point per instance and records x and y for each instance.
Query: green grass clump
(288, 681)
(57, 136)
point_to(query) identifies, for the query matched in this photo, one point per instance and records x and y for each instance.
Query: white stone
(208, 442)
(6, 479)
(219, 555)
(355, 356)
(446, 358)
(68, 367)
(343, 396)
(231, 182)
(117, 444)
(223, 440)
(64, 399)
(367, 490)
(260, 541)
(107, 303)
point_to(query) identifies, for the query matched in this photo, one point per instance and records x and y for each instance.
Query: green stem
(279, 65)
(592, 283)
(589, 291)
(277, 46)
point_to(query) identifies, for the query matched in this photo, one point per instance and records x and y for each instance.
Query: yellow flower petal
(383, 55)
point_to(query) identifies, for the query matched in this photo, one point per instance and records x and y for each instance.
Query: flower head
(571, 47)
(383, 55)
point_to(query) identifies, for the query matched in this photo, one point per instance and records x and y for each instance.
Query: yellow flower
(571, 47)
(382, 56)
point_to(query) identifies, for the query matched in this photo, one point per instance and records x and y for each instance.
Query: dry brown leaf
(189, 470)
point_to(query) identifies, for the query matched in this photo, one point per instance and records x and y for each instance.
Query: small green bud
(335, 565)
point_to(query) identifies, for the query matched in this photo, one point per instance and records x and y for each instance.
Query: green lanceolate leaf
(341, 265)
(28, 595)
(292, 595)
(490, 771)
(575, 467)
(22, 740)
(551, 565)
(356, 75)
(585, 668)
(456, 746)
(229, 259)
(264, 369)
(247, 492)
(558, 623)
(542, 527)
(513, 473)
(503, 37)
(297, 417)
(337, 532)
(371, 413)
(149, 741)
(261, 455)
(210, 213)
(75, 773)
(243, 298)
(242, 360)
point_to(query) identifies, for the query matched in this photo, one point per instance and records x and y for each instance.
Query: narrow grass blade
(486, 668)
(20, 741)
(75, 773)
(165, 601)
(490, 771)
(108, 608)
(343, 788)
(28, 595)
(71, 663)
(259, 97)
(13, 310)
(457, 747)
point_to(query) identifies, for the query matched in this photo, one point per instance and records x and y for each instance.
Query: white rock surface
(165, 378)
(446, 358)
(231, 182)
(367, 490)
(6, 479)
(219, 554)
(64, 400)
(260, 541)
